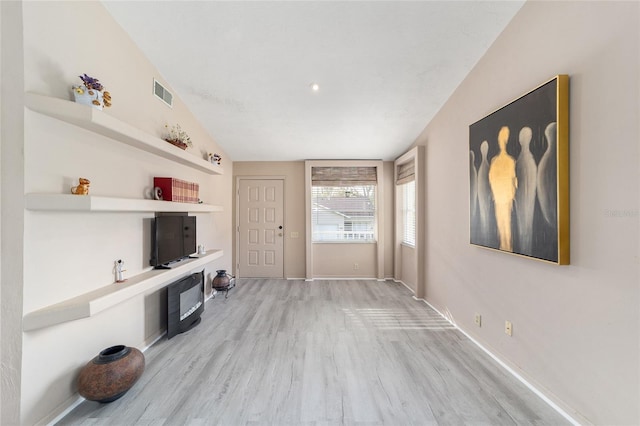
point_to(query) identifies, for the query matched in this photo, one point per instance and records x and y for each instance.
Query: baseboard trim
(66, 407)
(408, 288)
(159, 336)
(343, 279)
(510, 370)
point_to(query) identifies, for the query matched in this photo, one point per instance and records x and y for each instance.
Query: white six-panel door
(260, 228)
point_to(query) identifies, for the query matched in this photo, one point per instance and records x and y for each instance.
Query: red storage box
(177, 190)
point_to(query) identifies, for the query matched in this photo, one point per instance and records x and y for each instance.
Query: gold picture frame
(519, 175)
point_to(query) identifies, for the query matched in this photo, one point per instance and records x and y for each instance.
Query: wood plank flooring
(280, 352)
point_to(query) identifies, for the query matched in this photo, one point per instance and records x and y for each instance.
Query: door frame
(236, 239)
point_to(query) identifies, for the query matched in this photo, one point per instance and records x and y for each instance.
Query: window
(343, 204)
(409, 213)
(406, 187)
(343, 213)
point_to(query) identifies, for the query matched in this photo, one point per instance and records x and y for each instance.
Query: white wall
(576, 327)
(408, 267)
(11, 210)
(72, 253)
(388, 212)
(338, 260)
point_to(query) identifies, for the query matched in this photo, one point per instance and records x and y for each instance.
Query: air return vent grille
(162, 93)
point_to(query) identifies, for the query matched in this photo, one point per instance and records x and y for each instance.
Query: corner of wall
(11, 208)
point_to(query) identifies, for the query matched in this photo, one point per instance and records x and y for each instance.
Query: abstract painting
(519, 175)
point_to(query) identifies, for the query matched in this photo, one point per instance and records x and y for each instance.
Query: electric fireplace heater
(185, 303)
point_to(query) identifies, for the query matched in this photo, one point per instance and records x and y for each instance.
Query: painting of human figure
(518, 175)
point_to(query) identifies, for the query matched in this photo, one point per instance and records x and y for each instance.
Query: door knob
(280, 227)
(280, 234)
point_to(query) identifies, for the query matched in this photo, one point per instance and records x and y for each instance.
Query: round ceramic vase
(111, 373)
(221, 280)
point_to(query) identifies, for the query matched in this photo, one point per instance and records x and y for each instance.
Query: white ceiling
(245, 68)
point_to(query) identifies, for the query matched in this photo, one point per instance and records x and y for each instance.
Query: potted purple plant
(91, 93)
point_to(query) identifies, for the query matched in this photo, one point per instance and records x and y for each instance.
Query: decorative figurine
(119, 264)
(82, 188)
(215, 158)
(157, 193)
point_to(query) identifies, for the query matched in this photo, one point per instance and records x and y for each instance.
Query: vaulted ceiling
(245, 69)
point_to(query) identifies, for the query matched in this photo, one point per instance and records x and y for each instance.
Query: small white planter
(89, 97)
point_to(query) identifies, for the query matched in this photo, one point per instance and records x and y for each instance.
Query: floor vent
(162, 93)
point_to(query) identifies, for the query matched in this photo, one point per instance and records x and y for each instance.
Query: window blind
(409, 213)
(406, 173)
(343, 176)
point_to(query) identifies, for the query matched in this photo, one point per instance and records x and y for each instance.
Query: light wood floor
(320, 353)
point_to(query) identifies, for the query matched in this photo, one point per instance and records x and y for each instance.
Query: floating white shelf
(92, 203)
(102, 123)
(96, 301)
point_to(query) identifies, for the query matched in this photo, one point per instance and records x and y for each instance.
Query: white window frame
(416, 155)
(379, 222)
(408, 213)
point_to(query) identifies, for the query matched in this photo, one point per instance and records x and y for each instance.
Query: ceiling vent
(162, 93)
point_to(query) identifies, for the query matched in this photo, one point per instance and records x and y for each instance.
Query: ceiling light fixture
(315, 87)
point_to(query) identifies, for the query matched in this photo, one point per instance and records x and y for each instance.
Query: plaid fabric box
(177, 190)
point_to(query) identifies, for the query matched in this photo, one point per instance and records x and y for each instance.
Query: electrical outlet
(508, 328)
(356, 266)
(478, 320)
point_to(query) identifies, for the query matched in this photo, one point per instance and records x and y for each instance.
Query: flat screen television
(173, 239)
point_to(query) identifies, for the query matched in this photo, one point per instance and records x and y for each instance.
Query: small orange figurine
(82, 188)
